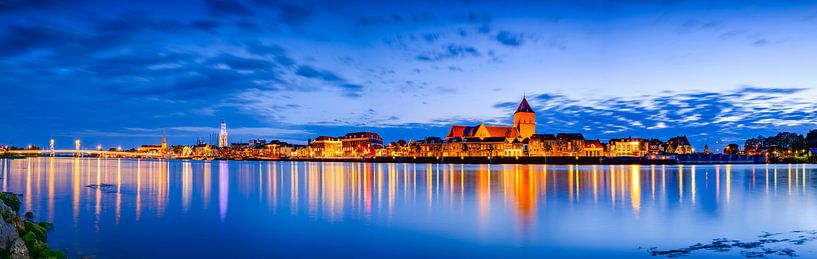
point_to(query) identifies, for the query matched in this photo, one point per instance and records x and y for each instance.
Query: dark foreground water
(144, 209)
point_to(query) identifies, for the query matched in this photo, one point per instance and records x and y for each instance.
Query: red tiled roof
(592, 144)
(461, 131)
(499, 131)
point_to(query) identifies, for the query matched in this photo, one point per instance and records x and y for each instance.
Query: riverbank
(552, 160)
(11, 156)
(23, 238)
(691, 159)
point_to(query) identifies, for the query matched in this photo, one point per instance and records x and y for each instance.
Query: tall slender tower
(164, 140)
(222, 135)
(524, 119)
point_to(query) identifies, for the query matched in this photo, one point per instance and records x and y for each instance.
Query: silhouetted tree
(811, 138)
(547, 148)
(784, 144)
(731, 149)
(754, 145)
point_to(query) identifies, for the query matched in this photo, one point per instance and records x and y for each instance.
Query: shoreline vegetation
(11, 156)
(21, 237)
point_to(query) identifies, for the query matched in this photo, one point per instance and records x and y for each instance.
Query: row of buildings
(518, 139)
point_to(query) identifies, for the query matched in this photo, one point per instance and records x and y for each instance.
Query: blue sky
(122, 72)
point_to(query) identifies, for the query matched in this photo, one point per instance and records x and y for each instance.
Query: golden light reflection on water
(341, 191)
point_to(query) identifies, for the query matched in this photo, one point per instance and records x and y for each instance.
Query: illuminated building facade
(360, 144)
(326, 146)
(430, 147)
(656, 146)
(568, 144)
(222, 135)
(155, 149)
(541, 144)
(593, 148)
(678, 145)
(524, 126)
(524, 120)
(630, 146)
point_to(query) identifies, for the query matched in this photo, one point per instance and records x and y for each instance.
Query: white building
(222, 135)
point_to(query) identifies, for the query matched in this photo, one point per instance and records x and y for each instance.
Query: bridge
(81, 152)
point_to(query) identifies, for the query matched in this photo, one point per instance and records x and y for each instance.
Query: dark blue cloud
(19, 39)
(311, 72)
(227, 7)
(241, 63)
(290, 13)
(451, 51)
(24, 5)
(510, 39)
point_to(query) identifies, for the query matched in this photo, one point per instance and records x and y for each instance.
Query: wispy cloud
(743, 112)
(451, 51)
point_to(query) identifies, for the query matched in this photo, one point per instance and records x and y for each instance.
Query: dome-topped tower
(524, 119)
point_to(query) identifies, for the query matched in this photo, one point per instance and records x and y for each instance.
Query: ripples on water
(153, 208)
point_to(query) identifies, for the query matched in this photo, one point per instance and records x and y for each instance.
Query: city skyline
(121, 75)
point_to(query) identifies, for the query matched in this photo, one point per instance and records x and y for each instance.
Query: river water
(156, 208)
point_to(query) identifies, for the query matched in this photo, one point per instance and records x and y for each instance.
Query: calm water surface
(152, 208)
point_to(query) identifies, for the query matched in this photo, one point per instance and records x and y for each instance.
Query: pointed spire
(524, 106)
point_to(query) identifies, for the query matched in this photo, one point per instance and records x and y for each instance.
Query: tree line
(784, 144)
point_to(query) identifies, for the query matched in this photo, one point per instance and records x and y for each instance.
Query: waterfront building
(485, 147)
(593, 148)
(515, 147)
(204, 151)
(399, 148)
(627, 147)
(184, 151)
(488, 140)
(524, 126)
(155, 149)
(655, 146)
(524, 120)
(452, 147)
(278, 149)
(257, 143)
(222, 135)
(326, 146)
(678, 145)
(430, 147)
(568, 144)
(360, 144)
(541, 144)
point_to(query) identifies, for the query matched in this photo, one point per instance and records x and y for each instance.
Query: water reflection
(520, 204)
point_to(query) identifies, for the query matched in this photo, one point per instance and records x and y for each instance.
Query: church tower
(164, 141)
(524, 119)
(222, 135)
